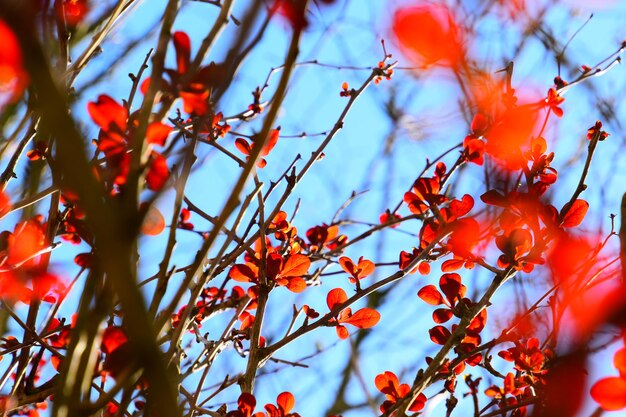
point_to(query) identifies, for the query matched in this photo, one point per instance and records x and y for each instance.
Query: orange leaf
(364, 318)
(347, 265)
(575, 214)
(296, 284)
(243, 273)
(386, 381)
(452, 265)
(153, 222)
(430, 295)
(366, 267)
(286, 401)
(610, 393)
(424, 268)
(363, 269)
(336, 297)
(342, 332)
(297, 265)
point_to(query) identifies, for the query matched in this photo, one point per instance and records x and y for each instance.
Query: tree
(165, 251)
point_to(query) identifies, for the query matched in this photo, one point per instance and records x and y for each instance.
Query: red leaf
(108, 114)
(428, 34)
(619, 361)
(366, 268)
(461, 208)
(424, 268)
(195, 101)
(419, 403)
(451, 286)
(157, 133)
(243, 146)
(246, 403)
(347, 265)
(575, 214)
(442, 315)
(5, 204)
(158, 173)
(415, 204)
(336, 297)
(478, 323)
(439, 335)
(363, 319)
(296, 284)
(342, 332)
(362, 270)
(494, 198)
(610, 393)
(430, 295)
(388, 217)
(273, 265)
(14, 78)
(271, 142)
(113, 338)
(479, 124)
(286, 401)
(243, 273)
(387, 382)
(510, 133)
(145, 84)
(72, 11)
(84, 260)
(296, 266)
(182, 44)
(452, 265)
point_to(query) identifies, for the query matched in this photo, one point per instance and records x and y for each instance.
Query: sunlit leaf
(575, 214)
(335, 298)
(430, 295)
(439, 335)
(363, 318)
(286, 401)
(295, 266)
